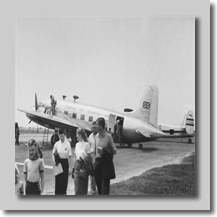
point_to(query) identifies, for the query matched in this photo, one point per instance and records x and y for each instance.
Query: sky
(106, 61)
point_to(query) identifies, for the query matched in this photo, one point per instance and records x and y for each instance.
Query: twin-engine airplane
(184, 131)
(138, 126)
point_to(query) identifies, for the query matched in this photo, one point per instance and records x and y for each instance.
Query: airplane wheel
(140, 146)
(54, 139)
(189, 140)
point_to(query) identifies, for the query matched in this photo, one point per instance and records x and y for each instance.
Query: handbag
(57, 169)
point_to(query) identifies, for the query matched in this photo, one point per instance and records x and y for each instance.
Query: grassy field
(176, 179)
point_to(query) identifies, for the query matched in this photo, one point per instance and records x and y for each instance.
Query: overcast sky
(106, 61)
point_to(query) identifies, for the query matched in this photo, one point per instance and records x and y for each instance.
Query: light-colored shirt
(92, 142)
(106, 142)
(82, 149)
(63, 149)
(33, 168)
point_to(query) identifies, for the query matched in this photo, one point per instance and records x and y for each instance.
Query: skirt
(80, 178)
(61, 180)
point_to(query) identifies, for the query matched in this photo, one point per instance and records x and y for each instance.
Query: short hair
(94, 123)
(81, 132)
(101, 122)
(61, 131)
(33, 143)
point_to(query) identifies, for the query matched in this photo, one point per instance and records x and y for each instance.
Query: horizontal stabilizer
(143, 132)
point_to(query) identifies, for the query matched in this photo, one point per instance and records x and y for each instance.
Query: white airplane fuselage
(74, 110)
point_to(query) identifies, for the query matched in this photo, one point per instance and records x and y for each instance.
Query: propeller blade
(36, 103)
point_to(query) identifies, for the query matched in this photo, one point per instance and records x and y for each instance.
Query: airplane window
(74, 115)
(82, 117)
(90, 119)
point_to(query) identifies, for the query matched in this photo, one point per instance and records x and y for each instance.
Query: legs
(103, 184)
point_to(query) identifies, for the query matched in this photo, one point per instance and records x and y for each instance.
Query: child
(33, 170)
(18, 183)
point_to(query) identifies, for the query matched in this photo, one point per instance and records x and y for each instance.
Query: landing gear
(121, 145)
(189, 140)
(129, 145)
(54, 139)
(140, 146)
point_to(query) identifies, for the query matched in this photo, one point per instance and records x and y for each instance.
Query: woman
(62, 149)
(80, 173)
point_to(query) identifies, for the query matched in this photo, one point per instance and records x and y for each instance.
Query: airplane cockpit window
(41, 104)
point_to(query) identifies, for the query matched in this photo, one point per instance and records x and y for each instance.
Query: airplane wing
(60, 118)
(143, 132)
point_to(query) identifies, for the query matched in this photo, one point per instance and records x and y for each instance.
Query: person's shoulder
(27, 160)
(90, 135)
(108, 134)
(87, 143)
(67, 142)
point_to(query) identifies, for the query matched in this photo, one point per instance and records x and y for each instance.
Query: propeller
(36, 103)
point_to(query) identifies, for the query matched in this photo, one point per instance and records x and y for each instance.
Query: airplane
(184, 131)
(138, 126)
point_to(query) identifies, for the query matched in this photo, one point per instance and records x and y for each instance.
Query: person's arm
(112, 144)
(42, 182)
(24, 184)
(41, 170)
(25, 176)
(54, 150)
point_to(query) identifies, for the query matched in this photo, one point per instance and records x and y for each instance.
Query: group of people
(92, 159)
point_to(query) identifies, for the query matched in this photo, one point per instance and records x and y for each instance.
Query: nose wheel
(189, 140)
(140, 146)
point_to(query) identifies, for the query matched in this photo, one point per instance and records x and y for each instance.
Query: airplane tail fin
(148, 107)
(189, 122)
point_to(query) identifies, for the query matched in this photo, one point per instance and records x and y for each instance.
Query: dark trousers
(61, 180)
(103, 184)
(33, 188)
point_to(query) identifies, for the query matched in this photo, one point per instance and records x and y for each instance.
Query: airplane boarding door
(111, 122)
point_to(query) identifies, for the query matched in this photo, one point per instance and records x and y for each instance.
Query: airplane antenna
(75, 97)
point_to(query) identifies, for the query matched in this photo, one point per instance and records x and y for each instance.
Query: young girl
(33, 170)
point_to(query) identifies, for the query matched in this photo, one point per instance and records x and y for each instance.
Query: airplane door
(111, 122)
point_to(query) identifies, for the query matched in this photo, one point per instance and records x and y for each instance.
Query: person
(17, 134)
(53, 104)
(33, 170)
(63, 150)
(104, 167)
(92, 142)
(18, 183)
(81, 163)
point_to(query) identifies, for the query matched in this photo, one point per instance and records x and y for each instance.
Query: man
(105, 149)
(53, 104)
(17, 134)
(92, 142)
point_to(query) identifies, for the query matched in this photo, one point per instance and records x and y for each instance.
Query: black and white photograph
(105, 105)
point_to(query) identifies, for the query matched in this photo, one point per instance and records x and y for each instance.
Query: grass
(176, 179)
